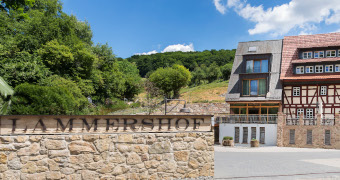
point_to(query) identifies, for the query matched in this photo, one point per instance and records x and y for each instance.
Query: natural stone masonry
(107, 156)
(300, 133)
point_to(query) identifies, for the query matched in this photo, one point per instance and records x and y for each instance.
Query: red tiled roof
(290, 50)
(332, 59)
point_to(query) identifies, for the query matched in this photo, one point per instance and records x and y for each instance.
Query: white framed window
(329, 68)
(337, 68)
(299, 69)
(323, 90)
(307, 55)
(309, 69)
(338, 52)
(319, 54)
(296, 91)
(319, 68)
(309, 113)
(330, 53)
(298, 112)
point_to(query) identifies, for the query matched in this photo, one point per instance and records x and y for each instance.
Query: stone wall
(318, 132)
(107, 156)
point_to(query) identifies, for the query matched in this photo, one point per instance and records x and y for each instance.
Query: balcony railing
(310, 121)
(328, 121)
(247, 119)
(292, 121)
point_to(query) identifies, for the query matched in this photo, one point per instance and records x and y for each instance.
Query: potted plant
(228, 141)
(254, 143)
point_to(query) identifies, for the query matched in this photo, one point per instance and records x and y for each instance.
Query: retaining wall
(120, 155)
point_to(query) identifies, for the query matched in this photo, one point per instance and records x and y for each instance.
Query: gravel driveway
(276, 163)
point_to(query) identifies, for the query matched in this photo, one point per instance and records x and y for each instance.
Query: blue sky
(142, 26)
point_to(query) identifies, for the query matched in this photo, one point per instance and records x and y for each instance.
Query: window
(257, 66)
(254, 87)
(292, 136)
(309, 136)
(253, 132)
(323, 90)
(329, 68)
(299, 112)
(299, 70)
(252, 49)
(309, 113)
(327, 137)
(319, 69)
(296, 91)
(309, 69)
(330, 53)
(337, 68)
(307, 55)
(245, 135)
(319, 54)
(237, 135)
(262, 135)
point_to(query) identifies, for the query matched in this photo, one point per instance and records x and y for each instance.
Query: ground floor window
(309, 137)
(245, 135)
(237, 135)
(253, 133)
(292, 136)
(327, 137)
(262, 134)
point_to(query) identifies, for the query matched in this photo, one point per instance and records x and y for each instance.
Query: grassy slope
(213, 92)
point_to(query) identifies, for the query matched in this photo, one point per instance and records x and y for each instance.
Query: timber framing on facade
(310, 75)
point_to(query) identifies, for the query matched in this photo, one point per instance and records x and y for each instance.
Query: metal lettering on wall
(102, 124)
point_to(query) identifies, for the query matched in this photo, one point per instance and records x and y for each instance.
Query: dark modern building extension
(254, 91)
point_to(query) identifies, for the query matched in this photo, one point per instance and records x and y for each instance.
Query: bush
(254, 139)
(227, 138)
(32, 99)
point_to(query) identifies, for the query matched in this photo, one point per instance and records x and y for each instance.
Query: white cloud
(300, 15)
(179, 47)
(172, 48)
(220, 7)
(147, 53)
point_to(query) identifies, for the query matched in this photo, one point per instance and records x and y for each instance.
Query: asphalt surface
(276, 163)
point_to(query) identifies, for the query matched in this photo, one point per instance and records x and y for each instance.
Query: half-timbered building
(310, 75)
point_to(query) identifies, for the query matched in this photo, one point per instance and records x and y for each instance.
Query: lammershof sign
(51, 124)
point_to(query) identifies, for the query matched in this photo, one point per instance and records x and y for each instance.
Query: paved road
(276, 163)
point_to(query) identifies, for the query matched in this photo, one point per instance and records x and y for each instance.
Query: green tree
(171, 79)
(213, 72)
(226, 71)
